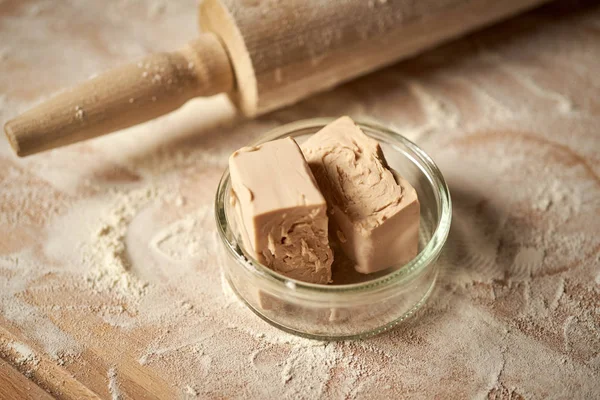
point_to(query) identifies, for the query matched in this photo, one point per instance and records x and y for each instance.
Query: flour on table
(114, 241)
(107, 250)
(25, 354)
(113, 384)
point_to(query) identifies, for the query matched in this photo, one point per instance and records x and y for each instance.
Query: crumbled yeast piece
(374, 213)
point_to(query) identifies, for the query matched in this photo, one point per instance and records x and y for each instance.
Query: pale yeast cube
(282, 212)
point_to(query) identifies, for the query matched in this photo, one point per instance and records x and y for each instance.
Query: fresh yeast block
(373, 212)
(283, 214)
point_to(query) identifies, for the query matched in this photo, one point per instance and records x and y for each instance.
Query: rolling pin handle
(124, 96)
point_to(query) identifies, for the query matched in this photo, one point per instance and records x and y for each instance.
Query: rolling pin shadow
(264, 54)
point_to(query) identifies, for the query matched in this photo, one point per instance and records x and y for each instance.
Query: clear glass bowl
(352, 310)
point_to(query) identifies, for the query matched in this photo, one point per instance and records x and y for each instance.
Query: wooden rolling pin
(265, 54)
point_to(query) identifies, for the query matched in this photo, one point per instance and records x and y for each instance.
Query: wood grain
(14, 385)
(42, 370)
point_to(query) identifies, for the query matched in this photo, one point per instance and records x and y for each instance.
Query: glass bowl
(350, 310)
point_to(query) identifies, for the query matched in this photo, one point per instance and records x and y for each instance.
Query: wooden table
(110, 284)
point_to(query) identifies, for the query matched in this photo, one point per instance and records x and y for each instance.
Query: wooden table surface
(110, 284)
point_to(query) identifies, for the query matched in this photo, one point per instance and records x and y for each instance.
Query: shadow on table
(479, 251)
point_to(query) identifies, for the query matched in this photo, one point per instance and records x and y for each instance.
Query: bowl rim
(407, 272)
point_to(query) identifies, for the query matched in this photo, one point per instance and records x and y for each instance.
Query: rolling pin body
(264, 53)
(283, 51)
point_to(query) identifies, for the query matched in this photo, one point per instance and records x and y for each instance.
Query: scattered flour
(113, 384)
(107, 250)
(189, 390)
(130, 256)
(79, 113)
(186, 237)
(25, 354)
